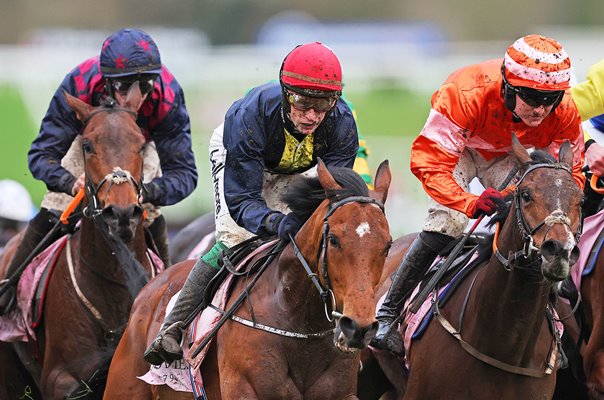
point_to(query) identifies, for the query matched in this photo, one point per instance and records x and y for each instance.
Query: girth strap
(513, 369)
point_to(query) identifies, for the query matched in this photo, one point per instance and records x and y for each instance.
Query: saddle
(228, 261)
(472, 245)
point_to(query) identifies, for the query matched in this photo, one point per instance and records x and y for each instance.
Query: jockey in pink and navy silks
(163, 118)
(55, 156)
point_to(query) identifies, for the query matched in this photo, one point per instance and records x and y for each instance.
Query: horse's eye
(87, 147)
(526, 196)
(333, 241)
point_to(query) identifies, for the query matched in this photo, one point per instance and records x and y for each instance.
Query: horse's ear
(134, 98)
(382, 182)
(325, 177)
(566, 154)
(522, 156)
(81, 108)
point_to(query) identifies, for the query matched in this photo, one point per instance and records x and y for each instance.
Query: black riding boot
(166, 346)
(416, 262)
(36, 230)
(159, 233)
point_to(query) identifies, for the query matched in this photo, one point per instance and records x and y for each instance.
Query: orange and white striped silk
(468, 112)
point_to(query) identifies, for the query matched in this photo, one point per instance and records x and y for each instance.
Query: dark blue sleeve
(244, 140)
(59, 128)
(172, 138)
(344, 144)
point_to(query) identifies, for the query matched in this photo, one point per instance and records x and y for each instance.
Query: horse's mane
(306, 193)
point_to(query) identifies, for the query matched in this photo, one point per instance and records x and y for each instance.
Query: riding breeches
(471, 164)
(227, 230)
(74, 163)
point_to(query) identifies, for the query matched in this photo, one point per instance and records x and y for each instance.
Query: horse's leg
(373, 382)
(15, 381)
(32, 366)
(58, 383)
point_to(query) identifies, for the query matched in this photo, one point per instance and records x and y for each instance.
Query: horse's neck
(94, 247)
(509, 304)
(295, 292)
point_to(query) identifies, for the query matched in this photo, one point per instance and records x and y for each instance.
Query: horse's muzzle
(557, 260)
(350, 336)
(122, 221)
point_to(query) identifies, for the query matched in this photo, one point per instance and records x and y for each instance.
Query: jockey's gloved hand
(150, 193)
(282, 225)
(487, 203)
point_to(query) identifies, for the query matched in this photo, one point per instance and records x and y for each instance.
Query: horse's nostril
(551, 249)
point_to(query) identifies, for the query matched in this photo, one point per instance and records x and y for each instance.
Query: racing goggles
(304, 103)
(122, 85)
(534, 97)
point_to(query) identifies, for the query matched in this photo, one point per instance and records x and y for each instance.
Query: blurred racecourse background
(394, 55)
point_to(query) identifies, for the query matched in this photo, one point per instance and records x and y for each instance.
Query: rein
(325, 292)
(529, 250)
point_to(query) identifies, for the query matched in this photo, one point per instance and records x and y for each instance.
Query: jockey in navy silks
(274, 132)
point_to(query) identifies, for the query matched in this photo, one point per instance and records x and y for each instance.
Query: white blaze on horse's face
(558, 184)
(363, 229)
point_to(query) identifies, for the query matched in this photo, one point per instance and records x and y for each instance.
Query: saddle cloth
(186, 377)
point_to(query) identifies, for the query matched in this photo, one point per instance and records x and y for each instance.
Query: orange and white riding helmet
(537, 62)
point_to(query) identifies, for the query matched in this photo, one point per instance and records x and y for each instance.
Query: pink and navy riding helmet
(129, 52)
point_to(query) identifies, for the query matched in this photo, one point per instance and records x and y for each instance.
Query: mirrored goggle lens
(303, 103)
(536, 98)
(145, 86)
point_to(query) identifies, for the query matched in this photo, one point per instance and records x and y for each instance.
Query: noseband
(531, 253)
(326, 292)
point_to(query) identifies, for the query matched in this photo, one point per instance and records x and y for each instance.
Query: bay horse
(103, 264)
(492, 338)
(344, 243)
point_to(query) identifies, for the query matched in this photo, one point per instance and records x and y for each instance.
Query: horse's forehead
(115, 130)
(361, 218)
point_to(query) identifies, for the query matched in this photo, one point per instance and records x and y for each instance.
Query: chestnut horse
(103, 265)
(324, 317)
(492, 339)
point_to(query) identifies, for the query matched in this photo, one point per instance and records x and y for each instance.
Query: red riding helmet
(312, 69)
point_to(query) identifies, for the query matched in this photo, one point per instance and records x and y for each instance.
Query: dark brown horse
(492, 339)
(345, 240)
(104, 263)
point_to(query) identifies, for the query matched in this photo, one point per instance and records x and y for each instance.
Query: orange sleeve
(434, 166)
(436, 151)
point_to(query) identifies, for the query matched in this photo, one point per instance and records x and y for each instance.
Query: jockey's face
(532, 116)
(306, 121)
